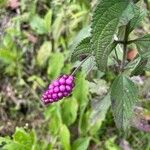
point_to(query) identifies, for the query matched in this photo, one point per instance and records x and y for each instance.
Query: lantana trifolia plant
(112, 23)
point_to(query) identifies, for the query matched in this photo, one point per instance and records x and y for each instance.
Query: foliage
(37, 44)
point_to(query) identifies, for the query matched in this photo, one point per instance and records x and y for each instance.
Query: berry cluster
(62, 87)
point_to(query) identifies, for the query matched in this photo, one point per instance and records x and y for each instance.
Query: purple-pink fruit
(56, 89)
(62, 80)
(69, 81)
(62, 87)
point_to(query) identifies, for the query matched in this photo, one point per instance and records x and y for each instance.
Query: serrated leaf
(147, 67)
(143, 46)
(81, 144)
(138, 17)
(84, 33)
(139, 68)
(44, 53)
(105, 22)
(127, 15)
(65, 137)
(69, 110)
(83, 49)
(56, 64)
(124, 95)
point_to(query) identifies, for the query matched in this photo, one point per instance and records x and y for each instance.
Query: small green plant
(112, 24)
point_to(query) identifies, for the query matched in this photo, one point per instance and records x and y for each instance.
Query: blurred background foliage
(36, 38)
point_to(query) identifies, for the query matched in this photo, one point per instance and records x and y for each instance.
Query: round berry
(62, 81)
(65, 76)
(44, 96)
(56, 83)
(69, 81)
(66, 93)
(46, 101)
(50, 91)
(62, 88)
(73, 85)
(50, 86)
(49, 96)
(60, 95)
(71, 77)
(56, 89)
(54, 96)
(68, 88)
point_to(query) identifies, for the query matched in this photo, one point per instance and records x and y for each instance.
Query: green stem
(125, 47)
(74, 72)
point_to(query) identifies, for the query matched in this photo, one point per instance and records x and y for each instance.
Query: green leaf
(48, 20)
(69, 110)
(84, 33)
(38, 24)
(89, 65)
(98, 87)
(127, 15)
(7, 56)
(65, 137)
(105, 22)
(147, 67)
(143, 46)
(140, 13)
(81, 144)
(7, 144)
(111, 145)
(44, 53)
(124, 95)
(56, 64)
(54, 114)
(139, 68)
(84, 48)
(58, 25)
(23, 138)
(99, 110)
(81, 90)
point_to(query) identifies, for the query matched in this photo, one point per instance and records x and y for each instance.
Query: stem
(116, 56)
(147, 4)
(125, 46)
(74, 72)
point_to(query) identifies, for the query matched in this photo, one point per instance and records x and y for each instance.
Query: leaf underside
(124, 96)
(83, 48)
(105, 22)
(143, 46)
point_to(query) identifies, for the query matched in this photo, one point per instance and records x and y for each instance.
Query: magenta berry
(69, 81)
(60, 88)
(56, 89)
(62, 80)
(56, 83)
